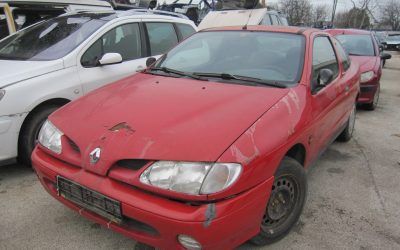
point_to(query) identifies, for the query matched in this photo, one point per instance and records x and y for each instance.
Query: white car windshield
(51, 39)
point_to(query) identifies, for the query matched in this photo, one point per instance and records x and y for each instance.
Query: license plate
(89, 199)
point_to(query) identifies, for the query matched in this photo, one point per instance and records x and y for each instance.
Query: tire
(347, 132)
(290, 184)
(142, 246)
(30, 132)
(372, 106)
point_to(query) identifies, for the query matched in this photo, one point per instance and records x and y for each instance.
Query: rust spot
(120, 126)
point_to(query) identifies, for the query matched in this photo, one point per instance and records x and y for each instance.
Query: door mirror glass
(110, 58)
(325, 76)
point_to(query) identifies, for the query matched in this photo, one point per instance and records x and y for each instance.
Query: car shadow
(15, 171)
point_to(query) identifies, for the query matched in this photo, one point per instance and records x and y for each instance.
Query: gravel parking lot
(353, 201)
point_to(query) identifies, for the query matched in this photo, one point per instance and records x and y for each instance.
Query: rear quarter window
(186, 30)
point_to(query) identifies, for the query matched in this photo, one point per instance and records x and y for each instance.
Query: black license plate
(89, 199)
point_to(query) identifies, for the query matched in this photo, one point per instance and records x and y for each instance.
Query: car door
(125, 39)
(325, 100)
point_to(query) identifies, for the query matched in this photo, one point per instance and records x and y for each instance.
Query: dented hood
(163, 118)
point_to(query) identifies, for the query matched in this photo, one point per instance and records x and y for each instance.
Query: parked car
(18, 14)
(207, 148)
(224, 18)
(362, 48)
(193, 9)
(49, 64)
(392, 42)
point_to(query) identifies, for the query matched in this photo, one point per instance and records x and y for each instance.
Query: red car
(207, 148)
(363, 48)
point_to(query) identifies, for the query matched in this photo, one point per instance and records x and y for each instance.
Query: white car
(51, 63)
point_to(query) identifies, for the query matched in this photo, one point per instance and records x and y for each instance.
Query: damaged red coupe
(206, 148)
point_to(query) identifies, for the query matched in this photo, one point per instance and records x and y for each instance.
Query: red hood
(366, 63)
(169, 118)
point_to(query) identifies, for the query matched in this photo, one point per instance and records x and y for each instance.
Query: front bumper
(232, 221)
(367, 93)
(10, 126)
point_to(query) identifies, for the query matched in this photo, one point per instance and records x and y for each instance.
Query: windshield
(273, 57)
(357, 45)
(393, 38)
(50, 39)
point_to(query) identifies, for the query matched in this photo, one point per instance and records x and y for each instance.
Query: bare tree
(391, 14)
(319, 13)
(298, 12)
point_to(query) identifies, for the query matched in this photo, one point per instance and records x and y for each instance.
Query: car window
(324, 57)
(124, 39)
(275, 20)
(266, 20)
(162, 37)
(344, 57)
(357, 45)
(51, 39)
(186, 30)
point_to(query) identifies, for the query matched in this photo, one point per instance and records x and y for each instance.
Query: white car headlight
(2, 93)
(50, 137)
(191, 177)
(366, 76)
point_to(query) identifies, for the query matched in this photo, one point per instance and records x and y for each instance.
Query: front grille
(74, 146)
(84, 197)
(132, 164)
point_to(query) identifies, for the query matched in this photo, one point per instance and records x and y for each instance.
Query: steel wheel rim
(283, 198)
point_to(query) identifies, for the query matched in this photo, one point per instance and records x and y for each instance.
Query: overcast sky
(343, 5)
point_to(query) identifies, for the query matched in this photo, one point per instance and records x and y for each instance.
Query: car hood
(366, 63)
(12, 72)
(163, 118)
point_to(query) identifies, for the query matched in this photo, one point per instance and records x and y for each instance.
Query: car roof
(61, 2)
(336, 32)
(268, 28)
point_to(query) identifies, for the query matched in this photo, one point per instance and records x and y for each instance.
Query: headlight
(50, 137)
(2, 93)
(366, 76)
(191, 177)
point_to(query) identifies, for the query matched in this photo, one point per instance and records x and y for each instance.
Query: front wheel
(285, 203)
(30, 132)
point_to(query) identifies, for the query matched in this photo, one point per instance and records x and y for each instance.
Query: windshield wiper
(177, 72)
(227, 76)
(353, 54)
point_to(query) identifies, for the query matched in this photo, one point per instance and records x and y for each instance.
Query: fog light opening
(189, 242)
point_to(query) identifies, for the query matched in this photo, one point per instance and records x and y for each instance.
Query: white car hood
(13, 72)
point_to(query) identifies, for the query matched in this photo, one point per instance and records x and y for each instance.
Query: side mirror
(150, 61)
(386, 56)
(324, 77)
(110, 58)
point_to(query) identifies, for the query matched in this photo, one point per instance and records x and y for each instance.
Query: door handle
(139, 68)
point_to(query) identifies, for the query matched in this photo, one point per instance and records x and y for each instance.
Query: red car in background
(206, 148)
(363, 48)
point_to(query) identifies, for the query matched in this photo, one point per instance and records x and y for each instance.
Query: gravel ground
(353, 200)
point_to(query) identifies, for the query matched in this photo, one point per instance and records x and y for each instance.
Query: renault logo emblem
(95, 156)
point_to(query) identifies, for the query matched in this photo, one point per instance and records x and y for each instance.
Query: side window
(185, 29)
(344, 57)
(124, 39)
(162, 37)
(275, 20)
(266, 20)
(323, 58)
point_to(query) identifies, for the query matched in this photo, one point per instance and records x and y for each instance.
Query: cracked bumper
(235, 220)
